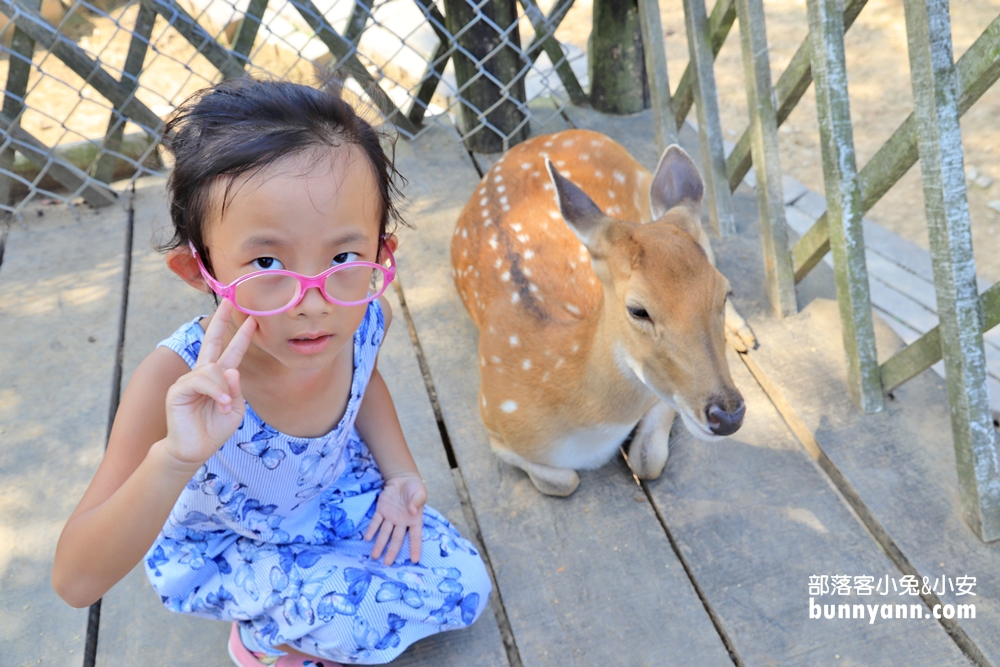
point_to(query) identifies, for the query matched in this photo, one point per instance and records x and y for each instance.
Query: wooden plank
(719, 23)
(840, 177)
(897, 462)
(720, 213)
(755, 518)
(564, 566)
(81, 63)
(555, 16)
(49, 162)
(554, 50)
(347, 60)
(104, 170)
(135, 628)
(763, 123)
(935, 94)
(664, 128)
(246, 33)
(60, 298)
(22, 51)
(229, 65)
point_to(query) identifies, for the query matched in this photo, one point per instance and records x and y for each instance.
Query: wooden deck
(709, 565)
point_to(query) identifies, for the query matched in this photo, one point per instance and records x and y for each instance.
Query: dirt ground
(878, 73)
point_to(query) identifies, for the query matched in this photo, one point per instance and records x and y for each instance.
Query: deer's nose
(725, 422)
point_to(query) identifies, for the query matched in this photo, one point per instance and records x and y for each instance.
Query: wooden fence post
(489, 87)
(618, 83)
(935, 101)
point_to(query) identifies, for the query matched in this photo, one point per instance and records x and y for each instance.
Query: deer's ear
(579, 211)
(675, 183)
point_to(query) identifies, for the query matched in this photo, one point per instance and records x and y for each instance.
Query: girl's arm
(170, 421)
(401, 502)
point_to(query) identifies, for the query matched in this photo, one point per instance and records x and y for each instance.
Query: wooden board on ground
(589, 579)
(60, 298)
(755, 517)
(135, 628)
(901, 461)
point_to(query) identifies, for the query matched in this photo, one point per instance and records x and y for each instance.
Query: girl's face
(305, 214)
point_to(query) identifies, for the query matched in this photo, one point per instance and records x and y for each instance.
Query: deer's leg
(648, 452)
(547, 479)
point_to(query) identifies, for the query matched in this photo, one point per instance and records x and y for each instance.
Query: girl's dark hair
(244, 125)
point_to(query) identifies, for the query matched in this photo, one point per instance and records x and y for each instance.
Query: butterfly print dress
(270, 533)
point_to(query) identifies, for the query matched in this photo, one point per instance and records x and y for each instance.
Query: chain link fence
(88, 85)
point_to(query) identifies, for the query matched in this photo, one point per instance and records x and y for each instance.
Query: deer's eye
(638, 313)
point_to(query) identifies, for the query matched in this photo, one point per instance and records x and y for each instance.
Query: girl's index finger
(233, 354)
(211, 344)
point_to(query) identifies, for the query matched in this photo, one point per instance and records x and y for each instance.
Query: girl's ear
(391, 241)
(182, 262)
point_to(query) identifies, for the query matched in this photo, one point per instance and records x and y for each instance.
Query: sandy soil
(65, 110)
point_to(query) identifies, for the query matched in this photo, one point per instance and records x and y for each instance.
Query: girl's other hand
(205, 406)
(400, 508)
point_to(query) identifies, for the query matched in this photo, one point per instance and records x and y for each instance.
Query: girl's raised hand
(205, 406)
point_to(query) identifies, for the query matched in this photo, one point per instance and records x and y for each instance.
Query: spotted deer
(598, 305)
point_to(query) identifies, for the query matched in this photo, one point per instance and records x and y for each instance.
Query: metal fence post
(935, 96)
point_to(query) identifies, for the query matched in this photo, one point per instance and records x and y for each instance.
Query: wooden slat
(840, 177)
(935, 94)
(60, 299)
(713, 156)
(435, 68)
(554, 18)
(81, 63)
(924, 353)
(361, 11)
(229, 65)
(135, 629)
(246, 34)
(564, 566)
(719, 23)
(546, 31)
(780, 284)
(664, 129)
(977, 70)
(347, 60)
(134, 59)
(70, 176)
(22, 50)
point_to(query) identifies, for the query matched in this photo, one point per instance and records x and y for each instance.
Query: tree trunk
(618, 82)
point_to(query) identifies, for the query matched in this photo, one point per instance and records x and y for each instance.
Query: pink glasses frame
(305, 283)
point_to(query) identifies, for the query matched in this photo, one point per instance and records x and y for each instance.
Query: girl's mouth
(310, 344)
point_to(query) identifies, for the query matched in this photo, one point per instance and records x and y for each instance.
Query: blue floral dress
(270, 533)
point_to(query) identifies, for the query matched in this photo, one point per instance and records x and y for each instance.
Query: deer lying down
(589, 324)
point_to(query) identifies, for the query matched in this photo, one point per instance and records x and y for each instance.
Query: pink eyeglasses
(263, 293)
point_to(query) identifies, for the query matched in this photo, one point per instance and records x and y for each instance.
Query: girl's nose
(313, 304)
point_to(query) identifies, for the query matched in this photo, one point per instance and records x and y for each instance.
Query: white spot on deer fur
(513, 341)
(482, 361)
(526, 271)
(536, 174)
(572, 265)
(620, 177)
(575, 348)
(508, 406)
(458, 230)
(486, 213)
(611, 193)
(523, 238)
(498, 179)
(528, 254)
(615, 209)
(573, 309)
(543, 153)
(482, 191)
(501, 188)
(560, 163)
(484, 401)
(505, 276)
(596, 142)
(505, 208)
(465, 234)
(526, 165)
(516, 226)
(547, 186)
(487, 222)
(515, 297)
(493, 242)
(465, 253)
(547, 144)
(526, 364)
(499, 263)
(484, 201)
(533, 287)
(585, 156)
(545, 378)
(599, 174)
(503, 200)
(568, 143)
(495, 359)
(559, 362)
(566, 173)
(635, 199)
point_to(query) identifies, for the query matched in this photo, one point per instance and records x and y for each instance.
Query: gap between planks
(496, 600)
(855, 503)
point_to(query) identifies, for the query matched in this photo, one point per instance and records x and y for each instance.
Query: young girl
(256, 453)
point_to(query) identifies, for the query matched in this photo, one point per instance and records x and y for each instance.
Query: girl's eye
(267, 264)
(345, 257)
